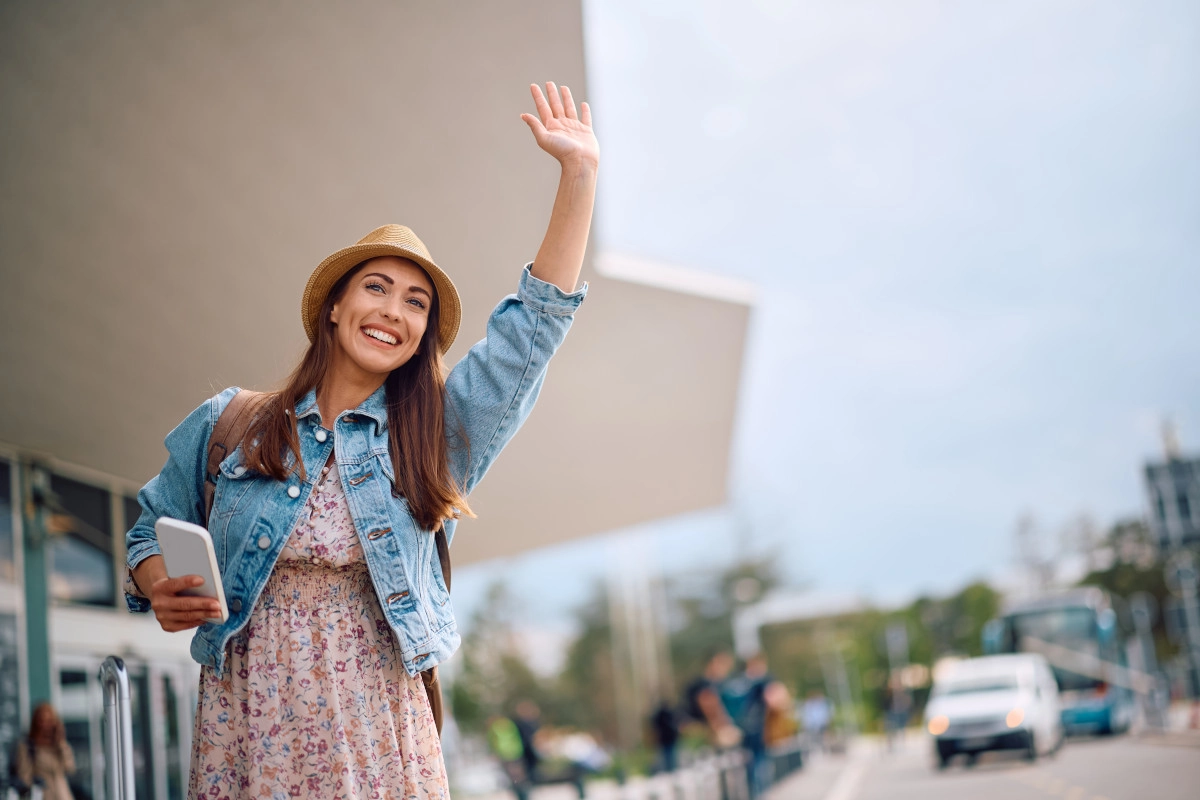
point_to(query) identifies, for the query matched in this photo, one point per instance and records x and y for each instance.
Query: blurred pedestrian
(747, 700)
(817, 713)
(329, 504)
(664, 722)
(528, 719)
(504, 740)
(704, 705)
(44, 757)
(781, 716)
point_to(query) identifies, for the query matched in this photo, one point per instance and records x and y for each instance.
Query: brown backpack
(228, 433)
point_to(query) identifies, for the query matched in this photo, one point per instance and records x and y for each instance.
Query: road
(1123, 768)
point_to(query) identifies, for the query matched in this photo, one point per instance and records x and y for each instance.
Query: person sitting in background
(44, 757)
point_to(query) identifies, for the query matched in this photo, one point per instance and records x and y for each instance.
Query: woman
(323, 515)
(45, 756)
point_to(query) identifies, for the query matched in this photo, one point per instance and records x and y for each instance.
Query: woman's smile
(381, 335)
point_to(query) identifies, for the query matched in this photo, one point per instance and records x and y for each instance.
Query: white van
(1006, 702)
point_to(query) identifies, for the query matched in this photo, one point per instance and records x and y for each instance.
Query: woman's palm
(558, 129)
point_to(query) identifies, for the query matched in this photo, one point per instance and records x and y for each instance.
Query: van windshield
(999, 683)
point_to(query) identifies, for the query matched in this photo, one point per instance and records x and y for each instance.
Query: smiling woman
(325, 512)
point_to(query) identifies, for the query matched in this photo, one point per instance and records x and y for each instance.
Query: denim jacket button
(320, 435)
(293, 492)
(236, 605)
(264, 542)
(239, 470)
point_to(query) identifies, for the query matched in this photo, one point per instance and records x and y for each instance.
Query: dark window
(143, 757)
(8, 564)
(75, 700)
(133, 510)
(83, 552)
(176, 767)
(1185, 508)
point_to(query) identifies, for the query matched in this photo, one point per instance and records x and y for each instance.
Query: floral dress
(313, 700)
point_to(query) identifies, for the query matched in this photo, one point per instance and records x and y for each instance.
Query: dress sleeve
(492, 390)
(176, 491)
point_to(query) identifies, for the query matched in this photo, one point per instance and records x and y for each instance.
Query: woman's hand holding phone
(175, 612)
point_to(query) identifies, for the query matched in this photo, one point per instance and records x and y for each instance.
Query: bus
(1080, 634)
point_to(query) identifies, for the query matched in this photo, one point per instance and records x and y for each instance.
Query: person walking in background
(664, 723)
(44, 757)
(504, 740)
(747, 701)
(703, 702)
(528, 719)
(331, 512)
(817, 713)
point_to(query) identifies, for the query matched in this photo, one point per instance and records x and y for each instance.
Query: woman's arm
(567, 136)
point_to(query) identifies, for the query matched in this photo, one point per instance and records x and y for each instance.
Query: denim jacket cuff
(135, 598)
(546, 297)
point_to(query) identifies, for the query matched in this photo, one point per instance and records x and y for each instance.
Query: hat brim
(329, 271)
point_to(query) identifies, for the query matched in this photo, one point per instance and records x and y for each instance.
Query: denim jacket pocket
(234, 481)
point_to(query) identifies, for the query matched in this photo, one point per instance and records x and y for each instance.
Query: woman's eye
(418, 302)
(374, 286)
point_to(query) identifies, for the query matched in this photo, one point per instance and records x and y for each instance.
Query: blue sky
(975, 229)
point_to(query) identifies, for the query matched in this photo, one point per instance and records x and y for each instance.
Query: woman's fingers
(183, 604)
(535, 125)
(568, 103)
(176, 612)
(556, 104)
(539, 102)
(585, 114)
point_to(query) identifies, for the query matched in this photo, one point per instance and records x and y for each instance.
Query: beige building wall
(172, 171)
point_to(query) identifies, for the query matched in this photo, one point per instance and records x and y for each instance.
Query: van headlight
(1015, 717)
(939, 725)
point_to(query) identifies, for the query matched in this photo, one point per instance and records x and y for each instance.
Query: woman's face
(380, 318)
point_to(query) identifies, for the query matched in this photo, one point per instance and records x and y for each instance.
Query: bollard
(118, 730)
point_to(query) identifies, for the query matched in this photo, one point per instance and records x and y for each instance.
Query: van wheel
(1031, 754)
(972, 759)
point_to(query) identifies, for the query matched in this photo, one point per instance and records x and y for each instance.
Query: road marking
(847, 784)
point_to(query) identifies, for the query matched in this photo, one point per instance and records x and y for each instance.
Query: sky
(974, 229)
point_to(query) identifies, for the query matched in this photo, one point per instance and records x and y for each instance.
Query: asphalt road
(1122, 768)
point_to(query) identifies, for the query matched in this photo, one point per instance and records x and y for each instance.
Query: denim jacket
(488, 396)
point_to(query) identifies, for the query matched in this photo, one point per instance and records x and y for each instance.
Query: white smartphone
(188, 550)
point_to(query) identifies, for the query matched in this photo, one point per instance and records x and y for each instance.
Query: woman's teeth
(386, 338)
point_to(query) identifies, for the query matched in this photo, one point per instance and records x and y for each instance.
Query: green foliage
(1135, 565)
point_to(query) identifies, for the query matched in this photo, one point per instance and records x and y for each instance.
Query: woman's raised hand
(559, 130)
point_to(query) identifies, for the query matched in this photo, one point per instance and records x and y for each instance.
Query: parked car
(1004, 702)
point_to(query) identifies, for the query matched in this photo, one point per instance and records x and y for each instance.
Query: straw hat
(388, 240)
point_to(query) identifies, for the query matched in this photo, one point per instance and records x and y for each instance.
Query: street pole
(34, 482)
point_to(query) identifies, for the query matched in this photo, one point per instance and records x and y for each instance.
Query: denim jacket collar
(374, 407)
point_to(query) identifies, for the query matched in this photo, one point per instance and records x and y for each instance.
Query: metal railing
(118, 730)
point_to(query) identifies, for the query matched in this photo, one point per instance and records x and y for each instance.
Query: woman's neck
(343, 389)
(333, 398)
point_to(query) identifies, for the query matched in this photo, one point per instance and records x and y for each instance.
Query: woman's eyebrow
(380, 275)
(421, 290)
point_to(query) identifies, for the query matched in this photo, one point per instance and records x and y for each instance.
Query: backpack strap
(229, 431)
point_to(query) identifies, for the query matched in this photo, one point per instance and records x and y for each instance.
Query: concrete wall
(172, 172)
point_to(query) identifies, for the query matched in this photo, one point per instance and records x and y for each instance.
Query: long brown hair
(45, 727)
(417, 436)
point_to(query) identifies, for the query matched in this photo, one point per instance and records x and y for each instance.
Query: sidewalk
(1178, 733)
